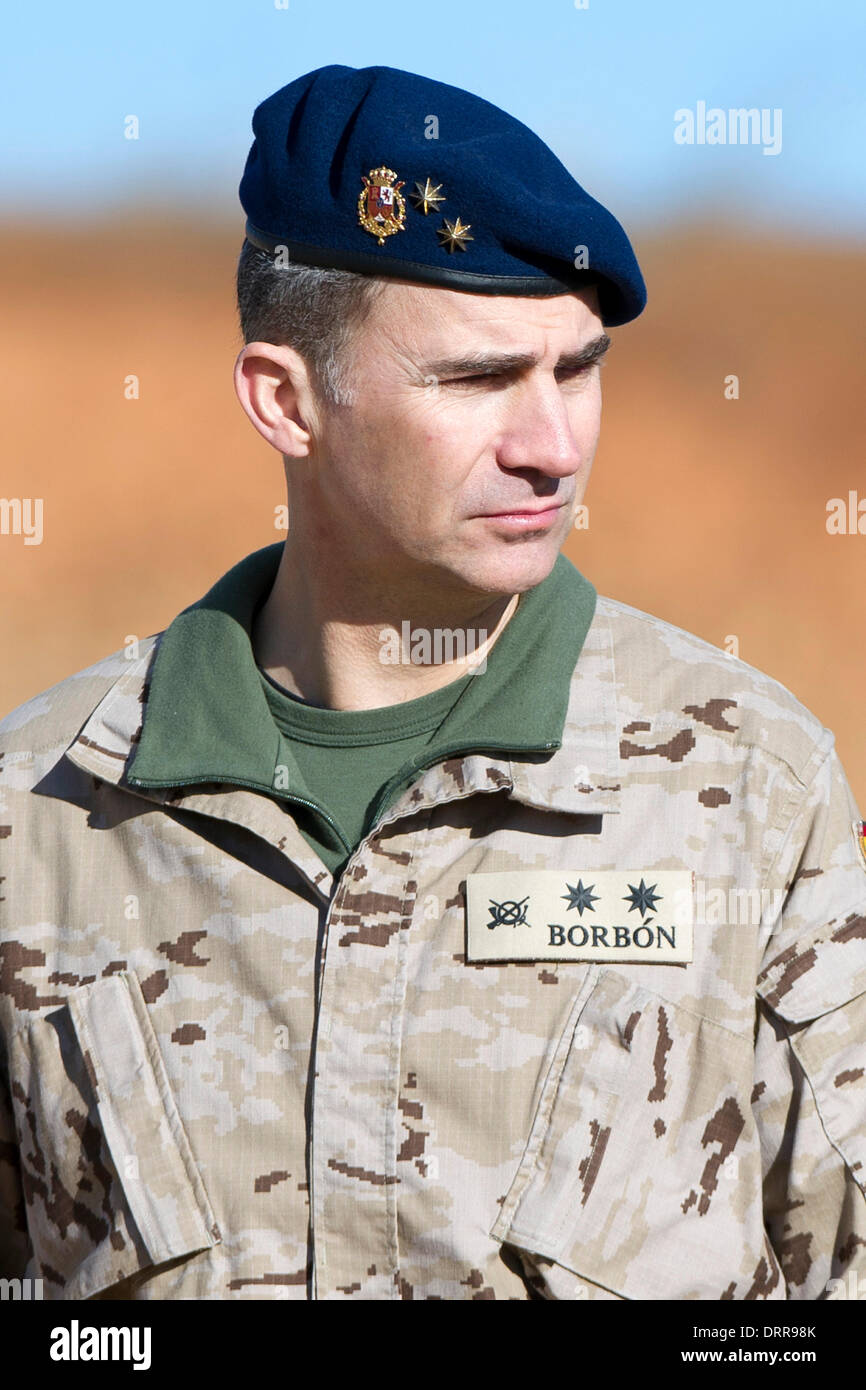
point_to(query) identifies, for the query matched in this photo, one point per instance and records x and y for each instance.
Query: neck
(353, 642)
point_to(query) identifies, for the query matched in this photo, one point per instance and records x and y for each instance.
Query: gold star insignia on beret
(455, 235)
(427, 198)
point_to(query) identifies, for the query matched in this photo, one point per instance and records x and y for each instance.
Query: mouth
(527, 518)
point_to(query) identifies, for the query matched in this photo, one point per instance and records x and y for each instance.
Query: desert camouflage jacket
(226, 1075)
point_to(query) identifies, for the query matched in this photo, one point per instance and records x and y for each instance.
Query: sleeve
(809, 1096)
(14, 1244)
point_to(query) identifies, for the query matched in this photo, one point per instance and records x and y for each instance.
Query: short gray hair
(313, 310)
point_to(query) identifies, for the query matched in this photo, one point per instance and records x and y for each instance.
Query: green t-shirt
(344, 758)
(213, 716)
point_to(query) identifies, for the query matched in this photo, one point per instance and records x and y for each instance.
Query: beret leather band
(368, 263)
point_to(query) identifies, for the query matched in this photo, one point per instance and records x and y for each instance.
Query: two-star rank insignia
(454, 235)
(381, 206)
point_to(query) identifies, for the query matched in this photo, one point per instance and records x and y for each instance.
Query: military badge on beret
(381, 207)
(859, 828)
(455, 235)
(427, 196)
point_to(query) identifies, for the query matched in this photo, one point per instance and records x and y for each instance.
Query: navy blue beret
(343, 172)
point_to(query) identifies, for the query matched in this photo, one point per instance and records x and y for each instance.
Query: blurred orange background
(710, 513)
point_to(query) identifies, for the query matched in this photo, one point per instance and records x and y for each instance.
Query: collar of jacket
(557, 753)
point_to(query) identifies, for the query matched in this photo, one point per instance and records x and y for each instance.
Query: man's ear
(274, 388)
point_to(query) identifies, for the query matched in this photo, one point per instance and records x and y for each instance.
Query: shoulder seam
(822, 738)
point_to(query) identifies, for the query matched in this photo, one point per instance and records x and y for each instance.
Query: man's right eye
(473, 380)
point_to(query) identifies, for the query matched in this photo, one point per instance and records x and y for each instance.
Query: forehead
(433, 317)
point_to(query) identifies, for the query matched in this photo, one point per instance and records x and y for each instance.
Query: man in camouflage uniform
(539, 974)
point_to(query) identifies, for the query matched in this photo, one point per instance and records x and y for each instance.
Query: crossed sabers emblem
(508, 912)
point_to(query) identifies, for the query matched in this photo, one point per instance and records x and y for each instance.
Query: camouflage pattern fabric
(226, 1076)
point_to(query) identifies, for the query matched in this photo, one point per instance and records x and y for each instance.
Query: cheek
(407, 459)
(391, 470)
(435, 447)
(585, 420)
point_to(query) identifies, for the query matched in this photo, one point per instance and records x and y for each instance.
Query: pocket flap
(822, 1004)
(814, 976)
(139, 1116)
(641, 1173)
(109, 1178)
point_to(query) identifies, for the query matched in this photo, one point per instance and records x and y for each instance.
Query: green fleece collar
(207, 717)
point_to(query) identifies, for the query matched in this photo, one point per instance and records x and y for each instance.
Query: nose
(538, 432)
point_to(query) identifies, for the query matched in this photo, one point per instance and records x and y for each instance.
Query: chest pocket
(110, 1183)
(641, 1177)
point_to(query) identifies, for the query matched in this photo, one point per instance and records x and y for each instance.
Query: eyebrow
(492, 363)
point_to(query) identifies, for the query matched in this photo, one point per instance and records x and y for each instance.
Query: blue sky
(599, 84)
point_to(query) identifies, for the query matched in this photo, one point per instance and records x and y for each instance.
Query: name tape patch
(579, 914)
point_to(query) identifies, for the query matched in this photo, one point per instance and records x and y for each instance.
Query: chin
(512, 567)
